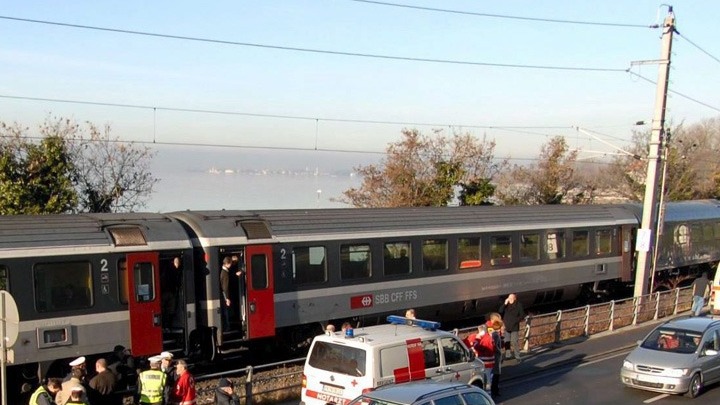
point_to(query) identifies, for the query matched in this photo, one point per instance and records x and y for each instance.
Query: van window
(431, 353)
(338, 358)
(3, 278)
(453, 351)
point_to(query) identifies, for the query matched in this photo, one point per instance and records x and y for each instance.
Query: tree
(551, 181)
(422, 170)
(691, 169)
(112, 176)
(71, 168)
(35, 178)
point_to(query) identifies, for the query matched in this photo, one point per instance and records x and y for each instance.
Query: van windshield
(338, 358)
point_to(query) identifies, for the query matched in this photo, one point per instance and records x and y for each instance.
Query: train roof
(680, 211)
(230, 226)
(43, 235)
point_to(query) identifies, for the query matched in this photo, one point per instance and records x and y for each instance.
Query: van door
(456, 364)
(143, 272)
(260, 300)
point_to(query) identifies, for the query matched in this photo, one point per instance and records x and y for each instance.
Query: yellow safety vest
(40, 391)
(153, 384)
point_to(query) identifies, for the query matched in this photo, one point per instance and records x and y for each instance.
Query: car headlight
(628, 365)
(675, 372)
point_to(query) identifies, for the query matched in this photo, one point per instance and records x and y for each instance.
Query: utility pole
(645, 240)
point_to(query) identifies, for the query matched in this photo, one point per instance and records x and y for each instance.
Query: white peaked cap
(166, 355)
(155, 359)
(76, 388)
(80, 360)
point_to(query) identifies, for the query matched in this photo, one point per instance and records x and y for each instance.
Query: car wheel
(695, 386)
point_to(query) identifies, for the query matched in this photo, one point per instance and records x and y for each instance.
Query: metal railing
(277, 382)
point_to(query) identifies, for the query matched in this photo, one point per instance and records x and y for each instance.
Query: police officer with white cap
(151, 383)
(167, 366)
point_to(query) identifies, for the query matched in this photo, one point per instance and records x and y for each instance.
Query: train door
(626, 251)
(143, 272)
(260, 302)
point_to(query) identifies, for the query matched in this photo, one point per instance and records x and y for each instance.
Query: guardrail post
(248, 386)
(611, 327)
(586, 332)
(677, 301)
(636, 309)
(558, 327)
(657, 306)
(526, 343)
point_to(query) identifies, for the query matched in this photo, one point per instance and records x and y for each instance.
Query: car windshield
(338, 358)
(672, 340)
(371, 401)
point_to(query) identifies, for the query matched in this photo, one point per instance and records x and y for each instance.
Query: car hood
(661, 359)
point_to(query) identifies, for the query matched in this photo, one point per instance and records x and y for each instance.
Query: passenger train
(151, 281)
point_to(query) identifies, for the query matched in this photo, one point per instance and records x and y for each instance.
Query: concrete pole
(645, 240)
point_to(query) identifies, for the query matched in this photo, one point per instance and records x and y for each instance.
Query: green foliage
(70, 168)
(422, 170)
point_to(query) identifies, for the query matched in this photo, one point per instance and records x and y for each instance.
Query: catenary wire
(321, 51)
(639, 76)
(504, 16)
(698, 46)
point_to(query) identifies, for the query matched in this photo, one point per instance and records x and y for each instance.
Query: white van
(714, 303)
(341, 366)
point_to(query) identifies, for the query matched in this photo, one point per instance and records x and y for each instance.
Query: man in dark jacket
(103, 385)
(513, 313)
(224, 394)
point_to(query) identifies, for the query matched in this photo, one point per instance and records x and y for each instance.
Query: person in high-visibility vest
(151, 383)
(45, 394)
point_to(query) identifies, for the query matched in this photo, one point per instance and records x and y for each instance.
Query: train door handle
(156, 319)
(253, 307)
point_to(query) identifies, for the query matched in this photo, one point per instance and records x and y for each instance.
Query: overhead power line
(698, 47)
(292, 117)
(320, 51)
(509, 17)
(694, 100)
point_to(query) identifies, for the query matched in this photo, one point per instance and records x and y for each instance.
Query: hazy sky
(157, 76)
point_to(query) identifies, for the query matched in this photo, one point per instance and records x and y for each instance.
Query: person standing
(224, 393)
(45, 394)
(76, 381)
(184, 392)
(77, 396)
(512, 314)
(171, 290)
(700, 288)
(151, 383)
(225, 301)
(167, 366)
(103, 384)
(495, 330)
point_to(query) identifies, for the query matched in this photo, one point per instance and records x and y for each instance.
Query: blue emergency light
(401, 320)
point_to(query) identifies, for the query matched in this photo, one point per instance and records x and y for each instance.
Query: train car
(307, 267)
(86, 283)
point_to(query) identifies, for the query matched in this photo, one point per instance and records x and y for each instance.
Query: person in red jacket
(184, 392)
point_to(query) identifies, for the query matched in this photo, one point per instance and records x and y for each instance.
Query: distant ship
(213, 171)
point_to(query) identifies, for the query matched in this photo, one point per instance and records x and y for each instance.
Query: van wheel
(695, 386)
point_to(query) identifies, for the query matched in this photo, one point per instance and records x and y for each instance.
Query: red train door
(143, 271)
(260, 291)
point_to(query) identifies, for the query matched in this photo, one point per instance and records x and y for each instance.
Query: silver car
(678, 357)
(425, 393)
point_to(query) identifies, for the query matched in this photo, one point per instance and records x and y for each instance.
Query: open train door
(260, 291)
(143, 270)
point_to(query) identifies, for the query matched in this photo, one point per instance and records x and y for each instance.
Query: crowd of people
(163, 382)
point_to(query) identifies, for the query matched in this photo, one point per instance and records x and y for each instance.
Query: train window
(469, 253)
(259, 269)
(707, 232)
(529, 247)
(122, 281)
(144, 282)
(63, 286)
(435, 254)
(3, 278)
(681, 235)
(309, 264)
(500, 250)
(603, 241)
(355, 261)
(580, 243)
(556, 245)
(397, 258)
(696, 233)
